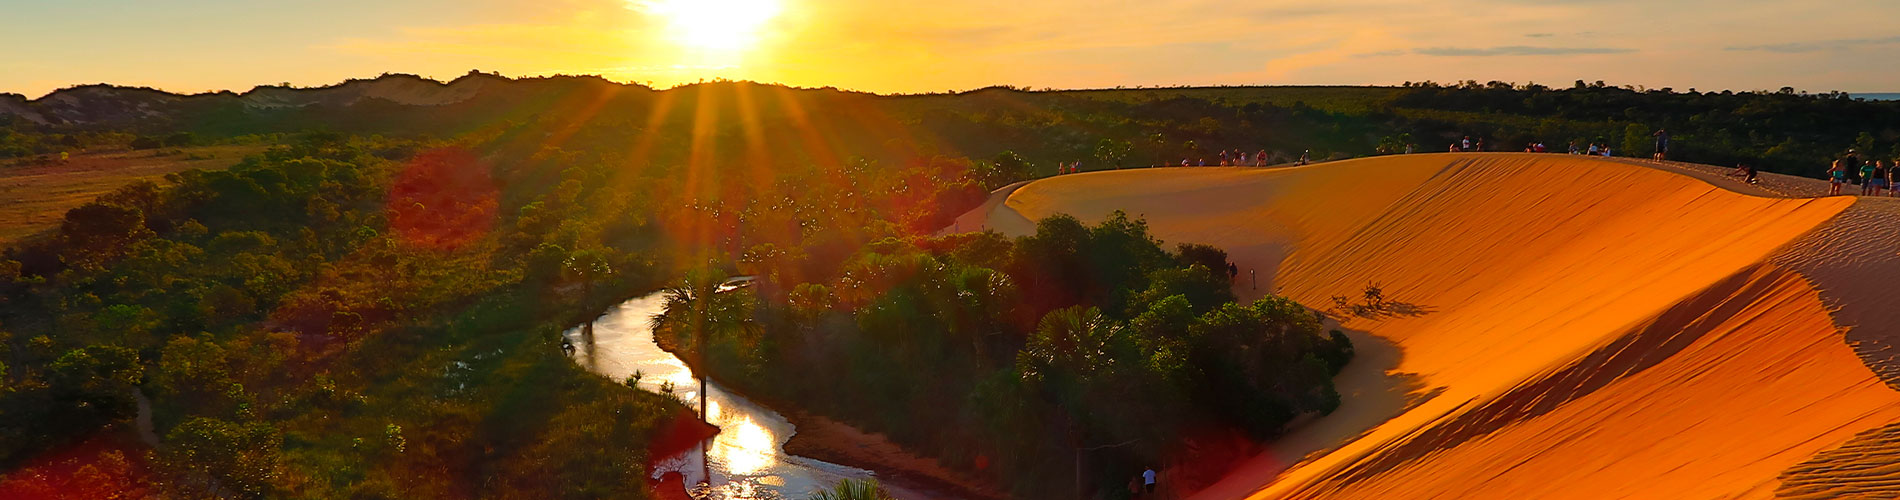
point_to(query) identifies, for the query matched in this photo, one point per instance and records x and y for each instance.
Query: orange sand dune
(1569, 327)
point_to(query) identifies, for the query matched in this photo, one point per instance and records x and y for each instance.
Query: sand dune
(1572, 327)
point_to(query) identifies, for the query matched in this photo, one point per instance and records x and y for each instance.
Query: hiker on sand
(1851, 164)
(1306, 156)
(1879, 178)
(1893, 177)
(1148, 480)
(1836, 175)
(1866, 172)
(1465, 145)
(1662, 145)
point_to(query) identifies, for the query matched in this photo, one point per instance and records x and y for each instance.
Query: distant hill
(1782, 131)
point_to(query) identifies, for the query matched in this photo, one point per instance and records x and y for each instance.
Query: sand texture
(1559, 326)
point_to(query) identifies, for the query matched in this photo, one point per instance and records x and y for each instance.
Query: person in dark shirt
(1879, 177)
(1662, 145)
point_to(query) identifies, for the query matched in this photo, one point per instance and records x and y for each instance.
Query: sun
(725, 26)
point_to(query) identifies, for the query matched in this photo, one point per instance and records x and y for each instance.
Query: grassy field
(33, 198)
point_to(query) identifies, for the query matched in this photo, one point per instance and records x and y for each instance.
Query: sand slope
(1570, 327)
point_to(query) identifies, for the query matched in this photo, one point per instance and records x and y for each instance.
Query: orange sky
(921, 46)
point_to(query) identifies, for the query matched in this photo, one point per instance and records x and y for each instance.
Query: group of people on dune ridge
(1876, 178)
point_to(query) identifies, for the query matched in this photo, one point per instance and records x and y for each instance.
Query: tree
(96, 232)
(588, 267)
(700, 307)
(853, 489)
(1070, 342)
(1005, 168)
(222, 458)
(1636, 137)
(1112, 151)
(98, 378)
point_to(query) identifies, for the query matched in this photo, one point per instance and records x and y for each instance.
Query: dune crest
(1571, 327)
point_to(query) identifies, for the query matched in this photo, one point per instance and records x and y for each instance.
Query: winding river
(747, 460)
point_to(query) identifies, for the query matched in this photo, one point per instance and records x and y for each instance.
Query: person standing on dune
(1893, 175)
(1879, 177)
(1836, 175)
(1865, 170)
(1662, 145)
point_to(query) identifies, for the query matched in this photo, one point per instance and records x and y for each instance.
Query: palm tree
(852, 489)
(700, 307)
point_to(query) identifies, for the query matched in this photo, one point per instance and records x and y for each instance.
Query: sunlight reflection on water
(747, 460)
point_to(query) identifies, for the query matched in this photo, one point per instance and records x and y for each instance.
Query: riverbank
(905, 473)
(836, 442)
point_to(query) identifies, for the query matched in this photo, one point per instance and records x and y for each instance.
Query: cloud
(1517, 50)
(1817, 46)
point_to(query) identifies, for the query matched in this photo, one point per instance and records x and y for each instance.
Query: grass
(34, 197)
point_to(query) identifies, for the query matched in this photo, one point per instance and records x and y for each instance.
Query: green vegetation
(1075, 337)
(371, 309)
(297, 341)
(852, 489)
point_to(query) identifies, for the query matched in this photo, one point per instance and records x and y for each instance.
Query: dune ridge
(1572, 327)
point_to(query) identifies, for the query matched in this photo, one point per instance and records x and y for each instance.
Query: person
(1465, 145)
(1201, 163)
(1606, 151)
(1593, 149)
(1148, 480)
(1481, 144)
(1744, 170)
(1453, 148)
(1223, 157)
(1408, 148)
(1305, 156)
(1836, 175)
(1662, 145)
(1893, 177)
(1879, 179)
(1573, 148)
(1851, 165)
(1866, 176)
(1260, 158)
(1232, 271)
(1184, 162)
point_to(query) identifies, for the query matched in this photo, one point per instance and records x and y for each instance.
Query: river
(747, 459)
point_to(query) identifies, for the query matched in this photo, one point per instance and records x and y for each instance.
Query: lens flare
(724, 26)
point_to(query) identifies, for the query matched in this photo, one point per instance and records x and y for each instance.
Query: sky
(906, 46)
